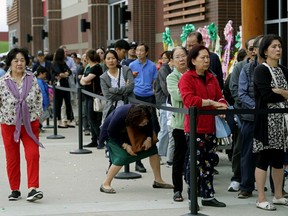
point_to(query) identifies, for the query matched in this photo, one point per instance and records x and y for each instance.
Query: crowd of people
(186, 76)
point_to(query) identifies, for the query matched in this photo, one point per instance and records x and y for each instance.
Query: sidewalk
(71, 182)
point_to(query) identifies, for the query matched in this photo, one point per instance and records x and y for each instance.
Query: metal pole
(193, 161)
(80, 150)
(55, 135)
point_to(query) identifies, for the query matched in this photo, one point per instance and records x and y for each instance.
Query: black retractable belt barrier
(55, 135)
(80, 150)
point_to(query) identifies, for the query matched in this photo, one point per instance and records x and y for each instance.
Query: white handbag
(98, 104)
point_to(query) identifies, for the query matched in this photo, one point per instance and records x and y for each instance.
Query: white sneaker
(234, 186)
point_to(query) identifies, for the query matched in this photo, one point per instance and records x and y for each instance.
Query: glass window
(284, 45)
(116, 29)
(272, 9)
(272, 28)
(284, 9)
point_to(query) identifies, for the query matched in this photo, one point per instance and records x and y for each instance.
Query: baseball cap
(133, 45)
(78, 56)
(40, 52)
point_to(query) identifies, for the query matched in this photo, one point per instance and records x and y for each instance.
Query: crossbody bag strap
(118, 83)
(272, 74)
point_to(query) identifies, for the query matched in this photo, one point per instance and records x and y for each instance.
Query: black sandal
(178, 197)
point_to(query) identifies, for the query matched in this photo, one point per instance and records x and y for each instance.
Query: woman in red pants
(20, 108)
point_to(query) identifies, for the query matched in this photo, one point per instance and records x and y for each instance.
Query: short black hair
(113, 52)
(167, 53)
(198, 35)
(122, 44)
(12, 54)
(40, 69)
(145, 46)
(266, 42)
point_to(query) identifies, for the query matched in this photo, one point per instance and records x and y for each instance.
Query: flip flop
(106, 190)
(178, 197)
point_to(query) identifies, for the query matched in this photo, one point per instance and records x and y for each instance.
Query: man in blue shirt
(145, 73)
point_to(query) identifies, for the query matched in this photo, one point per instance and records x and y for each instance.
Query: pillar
(98, 18)
(252, 18)
(54, 24)
(37, 25)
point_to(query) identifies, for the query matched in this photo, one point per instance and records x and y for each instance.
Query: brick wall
(4, 36)
(142, 27)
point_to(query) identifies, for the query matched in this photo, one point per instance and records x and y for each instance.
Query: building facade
(83, 24)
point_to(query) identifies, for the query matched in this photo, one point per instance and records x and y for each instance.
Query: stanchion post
(127, 174)
(193, 161)
(80, 150)
(55, 135)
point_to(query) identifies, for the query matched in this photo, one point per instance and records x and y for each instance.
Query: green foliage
(4, 46)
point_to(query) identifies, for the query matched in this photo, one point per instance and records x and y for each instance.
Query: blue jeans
(163, 135)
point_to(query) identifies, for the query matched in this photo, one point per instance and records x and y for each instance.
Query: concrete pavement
(71, 182)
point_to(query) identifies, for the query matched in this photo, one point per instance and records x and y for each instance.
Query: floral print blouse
(8, 101)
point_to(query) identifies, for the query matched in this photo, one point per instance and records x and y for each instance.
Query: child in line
(41, 73)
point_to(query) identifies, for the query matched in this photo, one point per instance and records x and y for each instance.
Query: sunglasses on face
(250, 49)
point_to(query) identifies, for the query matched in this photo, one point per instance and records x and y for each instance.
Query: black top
(58, 68)
(264, 95)
(94, 87)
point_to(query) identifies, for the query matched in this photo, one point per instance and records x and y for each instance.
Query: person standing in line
(20, 108)
(162, 98)
(40, 73)
(60, 74)
(270, 131)
(145, 72)
(41, 61)
(91, 82)
(85, 122)
(72, 84)
(101, 52)
(115, 88)
(195, 38)
(179, 59)
(199, 88)
(131, 54)
(247, 101)
(234, 185)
